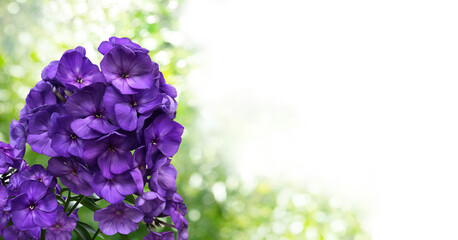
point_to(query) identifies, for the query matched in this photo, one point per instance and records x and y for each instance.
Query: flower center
(154, 142)
(73, 136)
(124, 75)
(118, 212)
(32, 206)
(74, 173)
(58, 226)
(111, 148)
(98, 115)
(79, 80)
(133, 104)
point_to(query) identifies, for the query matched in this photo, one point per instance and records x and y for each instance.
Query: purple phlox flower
(39, 173)
(18, 137)
(150, 203)
(139, 168)
(182, 234)
(6, 157)
(128, 108)
(79, 49)
(114, 189)
(15, 182)
(86, 106)
(3, 197)
(159, 236)
(164, 136)
(62, 228)
(106, 46)
(72, 174)
(118, 218)
(127, 70)
(39, 126)
(41, 95)
(162, 84)
(5, 214)
(177, 211)
(49, 73)
(76, 71)
(113, 153)
(169, 105)
(63, 140)
(163, 179)
(13, 233)
(34, 207)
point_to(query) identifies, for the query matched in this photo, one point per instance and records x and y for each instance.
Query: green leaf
(90, 203)
(81, 232)
(130, 199)
(89, 229)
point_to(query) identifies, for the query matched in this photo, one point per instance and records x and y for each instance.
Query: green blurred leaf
(90, 203)
(130, 199)
(81, 231)
(89, 229)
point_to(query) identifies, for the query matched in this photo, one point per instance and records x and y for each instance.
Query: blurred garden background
(222, 204)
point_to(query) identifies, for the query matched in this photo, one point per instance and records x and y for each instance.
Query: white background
(359, 97)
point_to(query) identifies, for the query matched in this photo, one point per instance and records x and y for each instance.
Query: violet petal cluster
(110, 134)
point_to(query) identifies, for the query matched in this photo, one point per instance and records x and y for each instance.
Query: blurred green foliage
(221, 205)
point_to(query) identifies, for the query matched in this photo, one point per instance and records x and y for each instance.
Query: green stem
(43, 234)
(96, 233)
(67, 201)
(76, 205)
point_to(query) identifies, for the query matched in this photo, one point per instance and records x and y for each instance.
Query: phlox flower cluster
(110, 134)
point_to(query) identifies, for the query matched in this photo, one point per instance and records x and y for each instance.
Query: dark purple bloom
(163, 136)
(49, 73)
(86, 106)
(15, 182)
(6, 157)
(106, 46)
(118, 218)
(13, 233)
(63, 140)
(159, 236)
(139, 168)
(150, 203)
(128, 108)
(113, 189)
(34, 207)
(38, 173)
(182, 234)
(163, 179)
(127, 70)
(3, 197)
(41, 95)
(176, 209)
(72, 174)
(5, 214)
(76, 71)
(169, 105)
(163, 86)
(39, 126)
(62, 228)
(18, 137)
(178, 218)
(112, 153)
